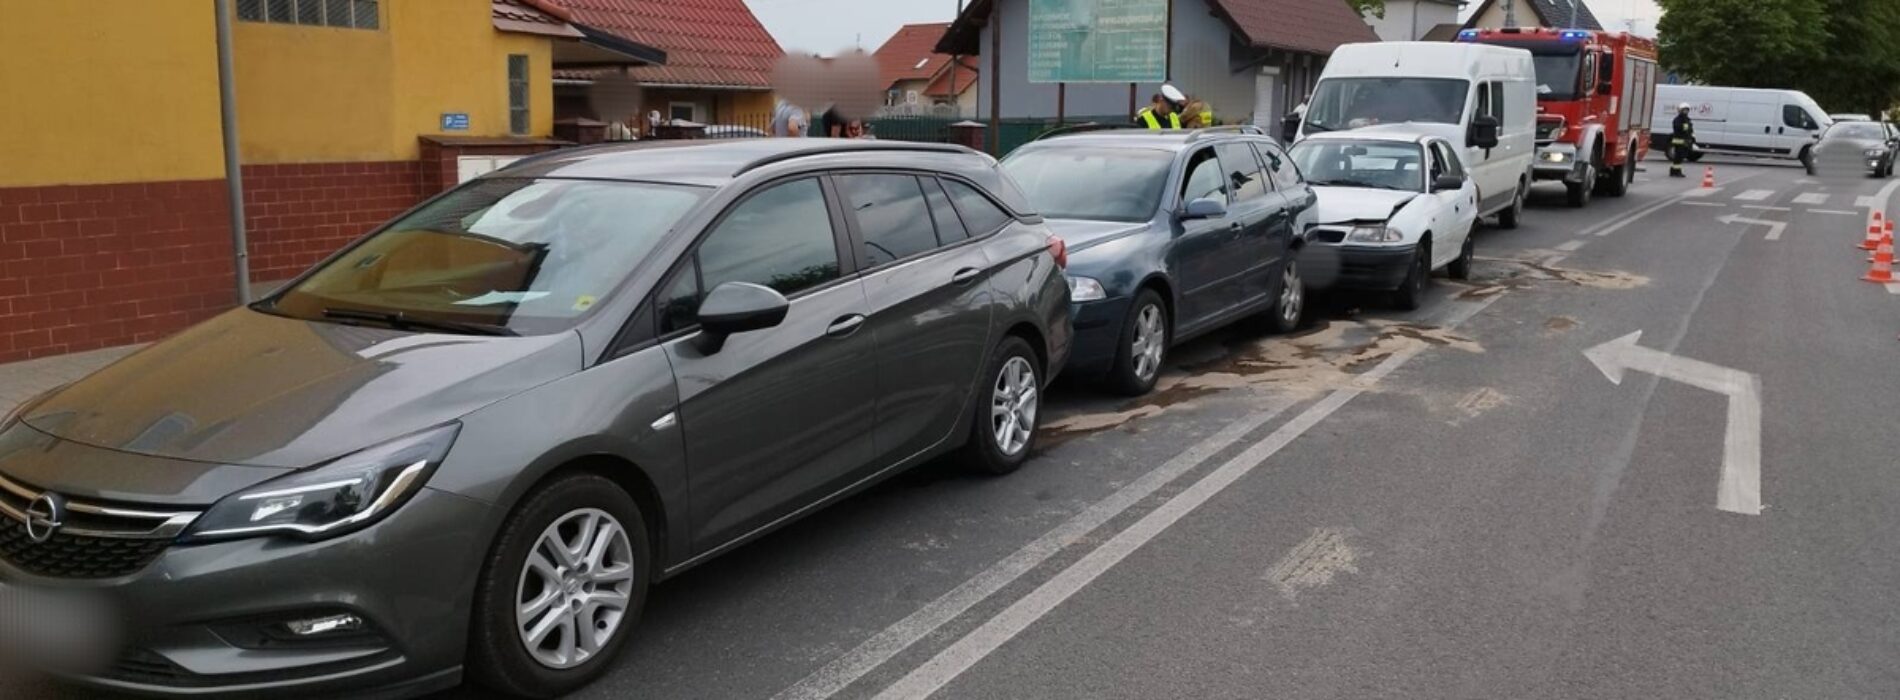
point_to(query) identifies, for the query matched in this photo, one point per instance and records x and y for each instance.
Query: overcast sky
(830, 26)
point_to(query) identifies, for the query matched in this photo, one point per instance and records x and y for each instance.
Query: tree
(1843, 53)
(1375, 8)
(1743, 43)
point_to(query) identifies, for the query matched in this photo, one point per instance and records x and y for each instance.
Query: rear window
(1099, 184)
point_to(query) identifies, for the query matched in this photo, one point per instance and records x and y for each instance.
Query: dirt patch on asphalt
(1559, 324)
(1329, 356)
(1493, 276)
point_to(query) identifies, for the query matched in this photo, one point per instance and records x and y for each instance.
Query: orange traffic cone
(1874, 232)
(1708, 177)
(1882, 271)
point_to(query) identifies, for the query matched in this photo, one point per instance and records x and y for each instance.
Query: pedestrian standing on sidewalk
(1681, 140)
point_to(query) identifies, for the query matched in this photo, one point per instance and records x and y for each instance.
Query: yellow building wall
(313, 94)
(108, 91)
(449, 58)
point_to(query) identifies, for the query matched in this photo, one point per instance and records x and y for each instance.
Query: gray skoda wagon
(470, 441)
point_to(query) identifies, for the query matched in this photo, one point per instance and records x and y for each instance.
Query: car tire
(1011, 382)
(1514, 214)
(1411, 292)
(499, 656)
(1289, 306)
(1807, 160)
(1126, 375)
(1460, 269)
(1578, 193)
(1621, 177)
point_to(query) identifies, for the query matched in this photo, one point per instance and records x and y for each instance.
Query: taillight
(1060, 250)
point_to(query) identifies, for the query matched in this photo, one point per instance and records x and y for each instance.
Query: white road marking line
(1837, 212)
(1754, 195)
(1882, 199)
(1705, 192)
(934, 674)
(1704, 204)
(1774, 227)
(1571, 246)
(1867, 200)
(1740, 488)
(1811, 198)
(1764, 207)
(1893, 287)
(1612, 226)
(874, 652)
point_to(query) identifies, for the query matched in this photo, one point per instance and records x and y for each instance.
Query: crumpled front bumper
(1557, 161)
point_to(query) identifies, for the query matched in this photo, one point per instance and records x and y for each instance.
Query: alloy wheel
(1013, 405)
(574, 588)
(1151, 341)
(1292, 294)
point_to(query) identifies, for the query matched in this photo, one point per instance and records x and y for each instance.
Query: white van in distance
(1744, 121)
(1481, 98)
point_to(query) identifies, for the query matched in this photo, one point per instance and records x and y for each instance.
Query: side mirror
(738, 307)
(1606, 73)
(1289, 127)
(1205, 208)
(1484, 132)
(1603, 88)
(1448, 182)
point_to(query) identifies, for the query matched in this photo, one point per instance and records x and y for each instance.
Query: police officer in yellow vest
(1197, 115)
(1164, 111)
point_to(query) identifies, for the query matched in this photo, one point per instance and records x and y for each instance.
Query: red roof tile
(965, 75)
(910, 53)
(713, 43)
(1312, 26)
(529, 16)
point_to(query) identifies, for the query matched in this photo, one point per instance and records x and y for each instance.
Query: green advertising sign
(1098, 41)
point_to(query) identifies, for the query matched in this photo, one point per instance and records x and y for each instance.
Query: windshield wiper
(401, 321)
(1356, 183)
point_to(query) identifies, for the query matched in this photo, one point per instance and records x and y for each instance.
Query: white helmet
(1684, 107)
(1172, 94)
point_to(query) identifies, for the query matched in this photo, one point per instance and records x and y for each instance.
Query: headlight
(1555, 157)
(1086, 289)
(345, 495)
(1375, 234)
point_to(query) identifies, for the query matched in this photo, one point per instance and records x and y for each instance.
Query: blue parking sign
(455, 121)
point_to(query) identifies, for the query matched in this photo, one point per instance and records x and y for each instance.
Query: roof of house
(1303, 26)
(529, 17)
(707, 43)
(965, 75)
(1443, 32)
(910, 54)
(1550, 13)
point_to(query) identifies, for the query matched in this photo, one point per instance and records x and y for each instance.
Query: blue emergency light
(1569, 34)
(1468, 35)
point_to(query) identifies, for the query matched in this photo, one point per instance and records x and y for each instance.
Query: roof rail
(854, 146)
(1078, 128)
(1198, 134)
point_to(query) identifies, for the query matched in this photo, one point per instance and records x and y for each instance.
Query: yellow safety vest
(1147, 115)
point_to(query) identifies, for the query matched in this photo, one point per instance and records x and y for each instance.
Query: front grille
(1549, 129)
(76, 556)
(141, 666)
(92, 541)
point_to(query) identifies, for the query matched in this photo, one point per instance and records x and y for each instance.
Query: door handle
(1235, 227)
(845, 326)
(965, 276)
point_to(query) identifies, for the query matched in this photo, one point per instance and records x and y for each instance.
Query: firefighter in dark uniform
(1681, 140)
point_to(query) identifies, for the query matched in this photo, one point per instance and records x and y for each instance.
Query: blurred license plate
(67, 631)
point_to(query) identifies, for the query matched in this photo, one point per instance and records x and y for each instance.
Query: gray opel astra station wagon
(469, 442)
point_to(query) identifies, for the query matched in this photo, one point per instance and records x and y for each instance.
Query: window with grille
(347, 14)
(518, 94)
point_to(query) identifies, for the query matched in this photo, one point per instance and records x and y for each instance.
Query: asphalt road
(1454, 502)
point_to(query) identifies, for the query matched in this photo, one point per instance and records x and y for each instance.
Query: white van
(1747, 121)
(1447, 90)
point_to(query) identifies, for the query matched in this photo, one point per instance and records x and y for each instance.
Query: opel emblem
(44, 516)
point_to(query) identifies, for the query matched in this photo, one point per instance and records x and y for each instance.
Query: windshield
(1100, 184)
(1557, 75)
(1350, 103)
(1867, 131)
(512, 256)
(1377, 164)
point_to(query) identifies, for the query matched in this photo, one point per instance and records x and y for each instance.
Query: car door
(1497, 182)
(928, 288)
(1455, 210)
(778, 417)
(1798, 129)
(1295, 199)
(1256, 250)
(1201, 266)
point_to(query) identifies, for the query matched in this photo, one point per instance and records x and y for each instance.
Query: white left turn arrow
(1740, 488)
(1774, 227)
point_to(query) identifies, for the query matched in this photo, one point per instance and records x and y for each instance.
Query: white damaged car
(1394, 206)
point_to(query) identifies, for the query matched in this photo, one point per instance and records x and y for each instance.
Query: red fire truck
(1594, 103)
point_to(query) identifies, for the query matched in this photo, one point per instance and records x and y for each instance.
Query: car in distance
(468, 443)
(1171, 234)
(1394, 205)
(1849, 146)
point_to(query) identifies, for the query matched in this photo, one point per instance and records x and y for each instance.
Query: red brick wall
(297, 214)
(91, 266)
